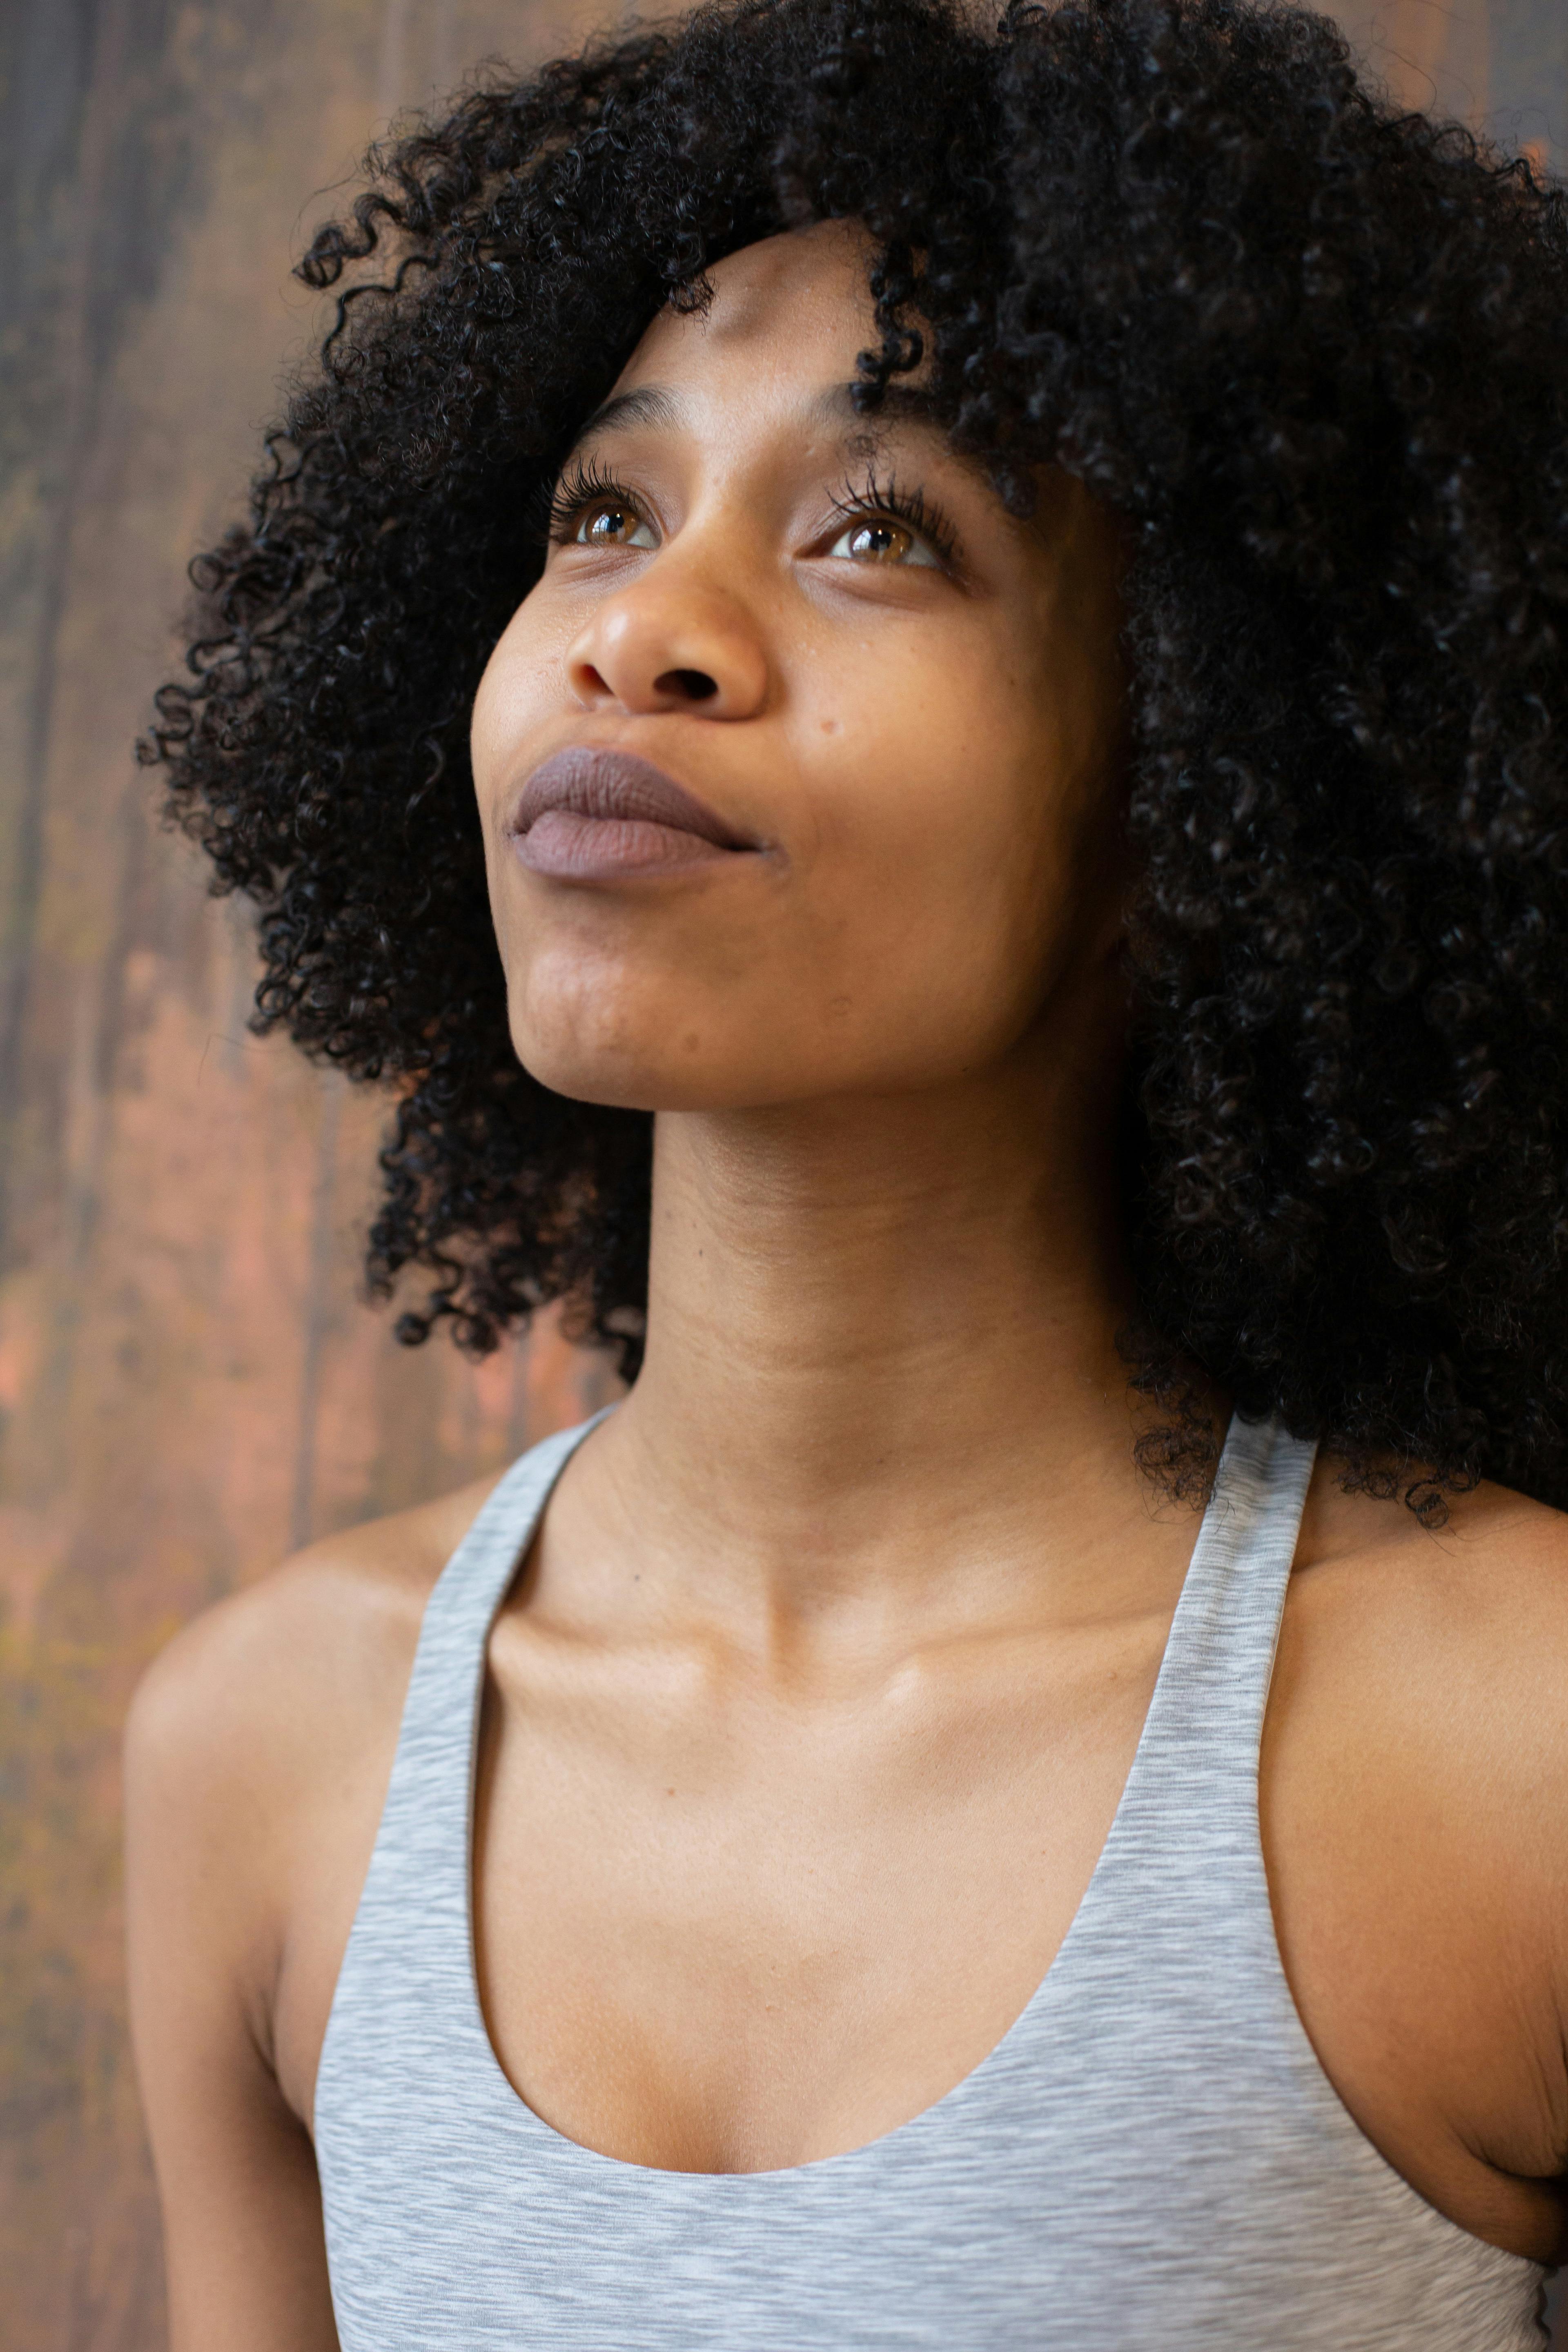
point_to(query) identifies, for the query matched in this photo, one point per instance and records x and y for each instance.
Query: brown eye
(876, 539)
(612, 523)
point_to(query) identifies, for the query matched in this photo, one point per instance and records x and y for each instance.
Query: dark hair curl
(1313, 351)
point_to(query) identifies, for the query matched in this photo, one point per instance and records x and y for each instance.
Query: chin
(624, 1074)
(590, 1030)
(613, 1090)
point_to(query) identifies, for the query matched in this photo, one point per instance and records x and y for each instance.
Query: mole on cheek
(830, 726)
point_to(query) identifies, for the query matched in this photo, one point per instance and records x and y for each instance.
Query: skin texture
(808, 1716)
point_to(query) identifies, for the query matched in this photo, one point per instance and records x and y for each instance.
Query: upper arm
(237, 2175)
(1413, 1794)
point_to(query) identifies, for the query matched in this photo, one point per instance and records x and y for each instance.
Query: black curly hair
(1312, 351)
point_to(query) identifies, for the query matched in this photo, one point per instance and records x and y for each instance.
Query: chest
(717, 1932)
(790, 1939)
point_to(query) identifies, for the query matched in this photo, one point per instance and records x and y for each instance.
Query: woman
(986, 610)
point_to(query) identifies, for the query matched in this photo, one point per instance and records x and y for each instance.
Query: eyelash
(911, 507)
(584, 482)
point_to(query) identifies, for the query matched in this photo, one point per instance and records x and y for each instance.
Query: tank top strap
(1195, 1776)
(420, 1868)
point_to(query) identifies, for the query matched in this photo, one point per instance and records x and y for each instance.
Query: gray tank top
(1151, 2156)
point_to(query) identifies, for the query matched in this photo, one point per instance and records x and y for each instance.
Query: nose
(669, 642)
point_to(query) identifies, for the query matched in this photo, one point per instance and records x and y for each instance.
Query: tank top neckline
(1248, 1448)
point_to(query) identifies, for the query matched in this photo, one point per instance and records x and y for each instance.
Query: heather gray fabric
(1151, 2156)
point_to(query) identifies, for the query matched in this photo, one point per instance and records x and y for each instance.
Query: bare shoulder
(1481, 1596)
(1436, 1659)
(258, 1747)
(325, 1639)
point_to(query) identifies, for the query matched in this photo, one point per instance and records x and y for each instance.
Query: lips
(596, 815)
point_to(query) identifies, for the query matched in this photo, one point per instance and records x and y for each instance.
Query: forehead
(795, 304)
(775, 352)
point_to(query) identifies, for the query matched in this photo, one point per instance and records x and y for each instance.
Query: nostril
(689, 685)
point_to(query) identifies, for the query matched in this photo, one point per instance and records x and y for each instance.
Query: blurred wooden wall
(189, 1385)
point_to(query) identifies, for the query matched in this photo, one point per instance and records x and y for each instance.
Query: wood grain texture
(188, 1384)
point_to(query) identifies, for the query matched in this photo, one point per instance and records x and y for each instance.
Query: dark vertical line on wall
(318, 1311)
(84, 1192)
(80, 388)
(21, 928)
(82, 1189)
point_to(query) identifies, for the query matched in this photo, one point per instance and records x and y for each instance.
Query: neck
(882, 1334)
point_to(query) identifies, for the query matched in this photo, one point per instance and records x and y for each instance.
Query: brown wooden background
(188, 1386)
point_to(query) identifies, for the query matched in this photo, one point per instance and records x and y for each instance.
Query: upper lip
(618, 784)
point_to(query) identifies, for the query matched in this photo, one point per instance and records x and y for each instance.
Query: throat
(881, 1352)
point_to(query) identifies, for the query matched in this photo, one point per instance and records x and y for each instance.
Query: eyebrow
(651, 405)
(655, 404)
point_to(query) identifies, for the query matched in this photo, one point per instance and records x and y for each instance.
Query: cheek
(939, 858)
(929, 953)
(515, 697)
(519, 688)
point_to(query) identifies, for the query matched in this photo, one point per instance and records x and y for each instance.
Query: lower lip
(574, 848)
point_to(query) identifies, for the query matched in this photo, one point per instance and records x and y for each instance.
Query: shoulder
(1417, 1735)
(1484, 1595)
(1444, 1648)
(260, 1741)
(328, 1636)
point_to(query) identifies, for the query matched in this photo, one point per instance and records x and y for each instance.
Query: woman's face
(799, 768)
